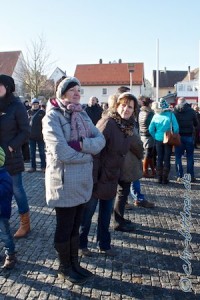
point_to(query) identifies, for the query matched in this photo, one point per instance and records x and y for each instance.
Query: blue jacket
(6, 193)
(160, 123)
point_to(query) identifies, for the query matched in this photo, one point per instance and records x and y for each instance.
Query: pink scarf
(79, 127)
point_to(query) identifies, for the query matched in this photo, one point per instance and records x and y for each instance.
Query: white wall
(18, 75)
(97, 92)
(187, 88)
(56, 75)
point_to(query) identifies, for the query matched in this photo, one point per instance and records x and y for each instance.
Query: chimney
(165, 69)
(100, 61)
(189, 73)
(120, 61)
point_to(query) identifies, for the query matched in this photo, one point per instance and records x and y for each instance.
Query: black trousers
(123, 190)
(68, 221)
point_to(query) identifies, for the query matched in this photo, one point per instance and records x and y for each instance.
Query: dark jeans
(41, 149)
(103, 234)
(123, 190)
(187, 144)
(164, 152)
(68, 221)
(6, 236)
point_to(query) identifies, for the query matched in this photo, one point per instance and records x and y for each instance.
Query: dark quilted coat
(14, 132)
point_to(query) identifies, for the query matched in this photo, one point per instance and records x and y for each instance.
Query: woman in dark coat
(14, 132)
(145, 116)
(117, 128)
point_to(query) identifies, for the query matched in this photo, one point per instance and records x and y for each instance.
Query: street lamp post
(131, 70)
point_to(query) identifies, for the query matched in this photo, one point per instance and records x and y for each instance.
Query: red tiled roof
(109, 74)
(8, 61)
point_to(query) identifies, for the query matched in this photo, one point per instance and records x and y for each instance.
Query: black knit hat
(8, 82)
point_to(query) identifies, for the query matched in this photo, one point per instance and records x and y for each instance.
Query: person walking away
(197, 128)
(14, 132)
(187, 120)
(93, 110)
(6, 194)
(117, 127)
(160, 123)
(145, 117)
(71, 141)
(25, 146)
(35, 115)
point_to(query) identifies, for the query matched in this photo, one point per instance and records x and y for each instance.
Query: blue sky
(83, 31)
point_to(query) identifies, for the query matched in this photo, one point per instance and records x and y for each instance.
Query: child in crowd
(6, 194)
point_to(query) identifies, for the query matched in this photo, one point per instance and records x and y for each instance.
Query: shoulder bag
(170, 137)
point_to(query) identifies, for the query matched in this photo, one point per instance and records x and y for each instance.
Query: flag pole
(199, 78)
(157, 70)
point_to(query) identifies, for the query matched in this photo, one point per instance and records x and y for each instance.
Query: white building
(102, 80)
(188, 90)
(57, 74)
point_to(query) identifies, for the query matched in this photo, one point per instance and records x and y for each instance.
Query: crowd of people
(90, 156)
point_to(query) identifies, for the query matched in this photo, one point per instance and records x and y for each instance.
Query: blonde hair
(112, 101)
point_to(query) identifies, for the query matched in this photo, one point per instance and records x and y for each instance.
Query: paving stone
(148, 265)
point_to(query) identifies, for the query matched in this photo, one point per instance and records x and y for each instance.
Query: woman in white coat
(71, 139)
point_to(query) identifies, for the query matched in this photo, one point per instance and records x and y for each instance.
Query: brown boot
(145, 168)
(24, 228)
(153, 170)
(9, 262)
(144, 203)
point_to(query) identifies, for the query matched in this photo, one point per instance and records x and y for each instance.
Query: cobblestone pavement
(148, 265)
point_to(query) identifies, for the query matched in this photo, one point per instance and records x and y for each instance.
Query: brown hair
(126, 98)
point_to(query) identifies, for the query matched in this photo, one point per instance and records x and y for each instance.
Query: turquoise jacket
(160, 123)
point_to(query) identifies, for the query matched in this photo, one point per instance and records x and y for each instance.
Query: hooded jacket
(160, 123)
(14, 132)
(186, 118)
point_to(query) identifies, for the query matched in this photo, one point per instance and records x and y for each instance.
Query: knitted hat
(2, 157)
(160, 106)
(65, 85)
(35, 100)
(8, 82)
(163, 104)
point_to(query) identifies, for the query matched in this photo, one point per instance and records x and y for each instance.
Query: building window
(189, 88)
(82, 91)
(181, 87)
(104, 91)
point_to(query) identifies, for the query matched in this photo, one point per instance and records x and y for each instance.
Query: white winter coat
(68, 177)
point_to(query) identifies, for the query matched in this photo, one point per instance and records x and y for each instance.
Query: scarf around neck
(79, 127)
(126, 126)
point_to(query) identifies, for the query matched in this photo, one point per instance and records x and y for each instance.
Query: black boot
(160, 175)
(74, 258)
(165, 179)
(65, 268)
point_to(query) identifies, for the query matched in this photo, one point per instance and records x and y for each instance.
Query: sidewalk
(148, 265)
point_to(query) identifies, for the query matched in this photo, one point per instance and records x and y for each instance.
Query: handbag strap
(171, 126)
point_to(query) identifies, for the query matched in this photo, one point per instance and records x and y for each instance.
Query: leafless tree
(35, 68)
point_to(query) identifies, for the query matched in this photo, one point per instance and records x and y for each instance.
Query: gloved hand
(75, 145)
